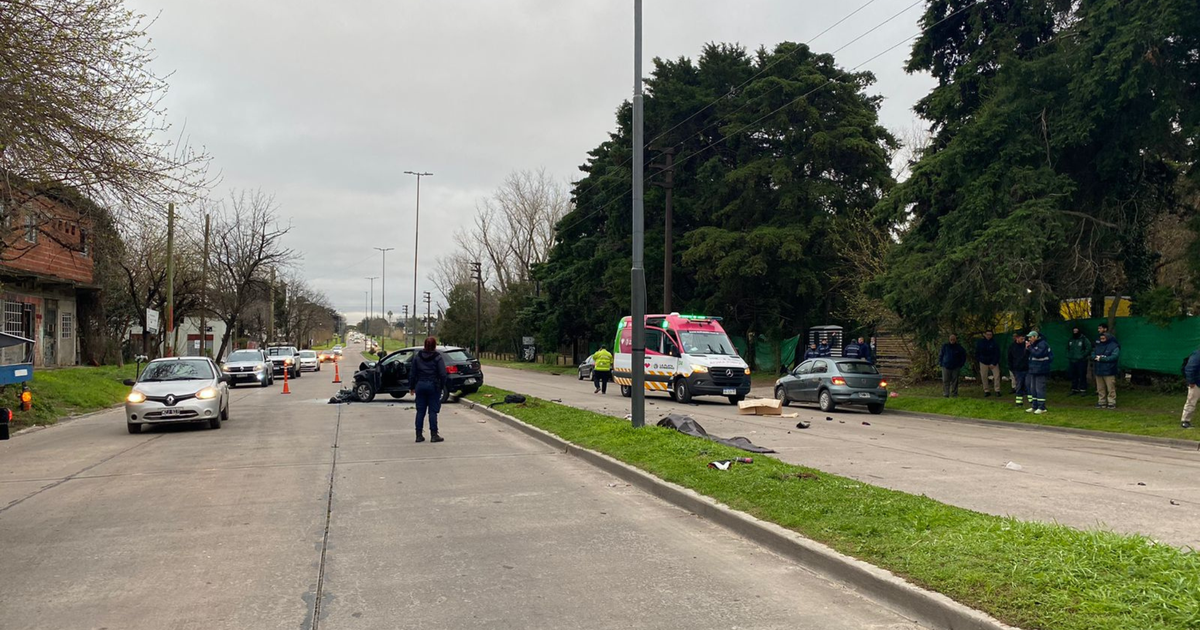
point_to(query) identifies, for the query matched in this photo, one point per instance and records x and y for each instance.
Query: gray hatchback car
(833, 381)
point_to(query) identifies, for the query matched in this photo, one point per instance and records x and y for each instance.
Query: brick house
(45, 271)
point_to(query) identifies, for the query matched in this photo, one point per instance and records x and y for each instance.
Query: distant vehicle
(686, 355)
(586, 368)
(325, 356)
(833, 381)
(285, 359)
(308, 361)
(337, 351)
(177, 390)
(248, 366)
(389, 375)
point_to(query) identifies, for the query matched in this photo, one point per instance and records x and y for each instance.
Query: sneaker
(1040, 411)
(1185, 425)
(1099, 405)
(1029, 410)
(987, 394)
(1112, 406)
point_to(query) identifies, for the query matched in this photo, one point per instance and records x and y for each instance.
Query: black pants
(1078, 372)
(601, 379)
(429, 399)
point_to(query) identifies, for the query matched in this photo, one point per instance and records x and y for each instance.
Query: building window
(14, 318)
(83, 242)
(31, 228)
(68, 325)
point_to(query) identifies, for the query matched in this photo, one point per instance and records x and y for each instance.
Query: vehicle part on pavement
(688, 425)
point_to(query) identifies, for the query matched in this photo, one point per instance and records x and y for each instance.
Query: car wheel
(626, 391)
(397, 394)
(215, 423)
(298, 373)
(875, 408)
(781, 396)
(581, 375)
(134, 427)
(266, 382)
(733, 400)
(825, 399)
(232, 385)
(318, 368)
(681, 391)
(225, 411)
(445, 394)
(364, 391)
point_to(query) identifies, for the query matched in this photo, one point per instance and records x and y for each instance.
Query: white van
(686, 356)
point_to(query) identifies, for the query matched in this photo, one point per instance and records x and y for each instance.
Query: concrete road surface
(1080, 481)
(300, 514)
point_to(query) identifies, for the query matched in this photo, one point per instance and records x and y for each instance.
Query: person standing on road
(602, 370)
(812, 352)
(1079, 348)
(952, 357)
(1191, 373)
(987, 352)
(426, 380)
(1040, 357)
(1107, 351)
(1018, 366)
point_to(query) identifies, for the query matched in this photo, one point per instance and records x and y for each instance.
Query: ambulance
(686, 356)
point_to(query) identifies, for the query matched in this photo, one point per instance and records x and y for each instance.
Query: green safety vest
(603, 360)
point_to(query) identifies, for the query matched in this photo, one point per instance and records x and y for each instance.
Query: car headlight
(747, 371)
(136, 397)
(261, 368)
(207, 393)
(700, 368)
(224, 368)
(287, 361)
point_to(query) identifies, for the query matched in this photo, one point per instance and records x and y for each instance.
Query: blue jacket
(1191, 371)
(1040, 357)
(1105, 355)
(953, 356)
(427, 367)
(823, 350)
(987, 351)
(811, 353)
(864, 352)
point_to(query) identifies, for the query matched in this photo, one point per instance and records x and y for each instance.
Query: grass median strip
(61, 392)
(1032, 575)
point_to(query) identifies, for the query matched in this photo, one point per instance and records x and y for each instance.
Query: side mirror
(130, 382)
(380, 354)
(224, 378)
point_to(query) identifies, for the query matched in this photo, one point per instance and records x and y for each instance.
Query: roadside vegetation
(1032, 575)
(64, 392)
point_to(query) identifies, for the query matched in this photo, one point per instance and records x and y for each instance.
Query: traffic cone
(337, 377)
(286, 389)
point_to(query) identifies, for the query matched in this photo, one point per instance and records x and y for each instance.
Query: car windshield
(856, 367)
(245, 355)
(183, 370)
(697, 342)
(457, 355)
(308, 354)
(275, 352)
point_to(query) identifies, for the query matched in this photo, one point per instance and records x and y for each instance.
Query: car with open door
(389, 375)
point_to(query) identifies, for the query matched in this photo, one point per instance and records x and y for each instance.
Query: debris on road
(688, 425)
(828, 419)
(343, 396)
(760, 407)
(725, 464)
(803, 424)
(866, 424)
(1174, 502)
(1014, 466)
(1141, 483)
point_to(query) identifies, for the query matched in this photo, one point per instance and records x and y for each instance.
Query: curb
(64, 421)
(925, 607)
(1103, 435)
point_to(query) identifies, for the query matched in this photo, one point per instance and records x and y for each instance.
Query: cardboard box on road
(760, 407)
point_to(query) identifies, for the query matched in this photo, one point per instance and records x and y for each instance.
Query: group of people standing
(1029, 359)
(857, 349)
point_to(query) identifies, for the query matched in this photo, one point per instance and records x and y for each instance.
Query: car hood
(162, 388)
(243, 364)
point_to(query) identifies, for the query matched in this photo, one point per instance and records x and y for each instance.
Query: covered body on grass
(1032, 575)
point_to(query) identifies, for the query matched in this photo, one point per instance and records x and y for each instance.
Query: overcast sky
(326, 104)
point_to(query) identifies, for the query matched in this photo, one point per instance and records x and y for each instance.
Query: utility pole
(271, 310)
(383, 298)
(668, 233)
(428, 321)
(416, 241)
(204, 293)
(478, 270)
(637, 272)
(170, 280)
(367, 311)
(371, 305)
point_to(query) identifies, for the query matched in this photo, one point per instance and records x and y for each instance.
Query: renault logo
(170, 400)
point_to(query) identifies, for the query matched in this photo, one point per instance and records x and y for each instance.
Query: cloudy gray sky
(326, 104)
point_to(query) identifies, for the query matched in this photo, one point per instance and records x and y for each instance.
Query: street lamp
(416, 240)
(383, 297)
(371, 304)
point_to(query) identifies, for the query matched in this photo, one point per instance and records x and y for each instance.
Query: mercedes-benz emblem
(729, 372)
(170, 400)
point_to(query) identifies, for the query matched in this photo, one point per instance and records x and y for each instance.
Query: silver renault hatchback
(177, 390)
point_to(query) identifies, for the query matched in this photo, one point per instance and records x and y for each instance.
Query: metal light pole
(371, 303)
(383, 297)
(168, 345)
(416, 240)
(638, 273)
(478, 271)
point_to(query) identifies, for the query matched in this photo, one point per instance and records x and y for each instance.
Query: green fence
(769, 354)
(1144, 346)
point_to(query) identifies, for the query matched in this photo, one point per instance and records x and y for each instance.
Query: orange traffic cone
(286, 389)
(337, 377)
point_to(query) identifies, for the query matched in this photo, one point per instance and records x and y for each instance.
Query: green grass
(1032, 575)
(63, 392)
(1140, 410)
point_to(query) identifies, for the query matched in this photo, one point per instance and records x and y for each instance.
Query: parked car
(308, 361)
(586, 368)
(177, 390)
(285, 359)
(389, 375)
(248, 366)
(832, 381)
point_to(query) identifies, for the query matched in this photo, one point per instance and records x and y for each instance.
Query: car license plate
(729, 392)
(864, 395)
(170, 412)
(469, 381)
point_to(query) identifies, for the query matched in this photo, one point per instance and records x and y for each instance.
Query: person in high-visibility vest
(602, 371)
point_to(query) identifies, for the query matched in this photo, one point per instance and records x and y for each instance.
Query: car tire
(825, 399)
(215, 423)
(134, 427)
(397, 394)
(232, 385)
(875, 408)
(445, 394)
(364, 391)
(626, 391)
(680, 392)
(266, 382)
(298, 373)
(733, 400)
(225, 412)
(581, 375)
(781, 396)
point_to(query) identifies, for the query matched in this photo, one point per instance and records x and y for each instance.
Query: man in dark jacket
(850, 350)
(1191, 373)
(952, 357)
(1079, 349)
(824, 349)
(426, 379)
(1106, 353)
(1018, 366)
(812, 352)
(864, 351)
(1040, 358)
(987, 353)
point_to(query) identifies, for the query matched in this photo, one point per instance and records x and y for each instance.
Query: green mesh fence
(1144, 346)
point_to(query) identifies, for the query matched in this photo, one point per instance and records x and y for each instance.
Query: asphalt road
(1085, 482)
(300, 514)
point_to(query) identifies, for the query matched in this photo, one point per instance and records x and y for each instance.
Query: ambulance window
(654, 338)
(669, 347)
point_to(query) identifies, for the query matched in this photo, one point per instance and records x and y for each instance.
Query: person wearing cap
(1040, 358)
(812, 352)
(1106, 352)
(951, 359)
(1018, 366)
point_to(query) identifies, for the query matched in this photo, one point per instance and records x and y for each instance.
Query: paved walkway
(1081, 481)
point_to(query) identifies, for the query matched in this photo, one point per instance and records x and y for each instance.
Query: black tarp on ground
(688, 425)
